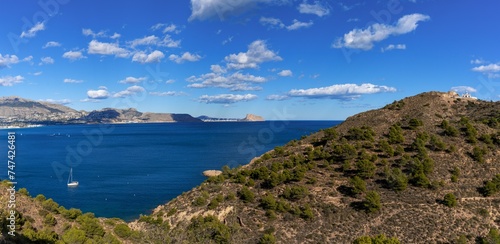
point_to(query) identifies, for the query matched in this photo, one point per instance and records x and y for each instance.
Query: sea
(125, 170)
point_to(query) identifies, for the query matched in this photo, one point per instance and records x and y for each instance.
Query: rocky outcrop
(253, 117)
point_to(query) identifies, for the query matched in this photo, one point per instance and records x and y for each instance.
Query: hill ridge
(423, 169)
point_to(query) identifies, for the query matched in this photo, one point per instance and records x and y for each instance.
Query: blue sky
(282, 59)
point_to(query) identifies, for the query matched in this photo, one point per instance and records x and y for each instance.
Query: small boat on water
(71, 182)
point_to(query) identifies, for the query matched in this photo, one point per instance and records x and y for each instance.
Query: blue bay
(126, 170)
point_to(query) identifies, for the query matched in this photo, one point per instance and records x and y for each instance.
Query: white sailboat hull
(73, 184)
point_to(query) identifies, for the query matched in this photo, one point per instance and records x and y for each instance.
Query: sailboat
(71, 182)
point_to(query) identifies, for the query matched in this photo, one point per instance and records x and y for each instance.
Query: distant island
(21, 112)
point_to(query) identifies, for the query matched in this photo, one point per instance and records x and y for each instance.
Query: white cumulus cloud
(187, 56)
(46, 60)
(89, 32)
(147, 40)
(491, 70)
(206, 9)
(67, 80)
(104, 48)
(365, 38)
(298, 25)
(40, 26)
(6, 60)
(285, 73)
(52, 44)
(73, 55)
(277, 97)
(167, 94)
(257, 53)
(234, 82)
(277, 23)
(153, 57)
(317, 8)
(393, 47)
(11, 80)
(101, 93)
(464, 89)
(487, 68)
(130, 91)
(61, 101)
(133, 80)
(227, 98)
(340, 91)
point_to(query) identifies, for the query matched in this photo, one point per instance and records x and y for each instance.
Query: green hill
(424, 169)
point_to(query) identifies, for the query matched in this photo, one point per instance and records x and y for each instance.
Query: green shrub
(397, 180)
(42, 236)
(40, 198)
(306, 212)
(372, 202)
(358, 185)
(199, 201)
(396, 134)
(414, 123)
(74, 236)
(208, 229)
(491, 187)
(267, 239)
(478, 154)
(24, 191)
(450, 200)
(455, 173)
(50, 220)
(172, 211)
(436, 143)
(493, 237)
(50, 205)
(295, 193)
(448, 130)
(365, 133)
(386, 148)
(72, 213)
(330, 134)
(246, 195)
(90, 225)
(122, 230)
(268, 202)
(366, 168)
(380, 239)
(214, 203)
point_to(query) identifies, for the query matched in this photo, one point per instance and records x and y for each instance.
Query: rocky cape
(20, 112)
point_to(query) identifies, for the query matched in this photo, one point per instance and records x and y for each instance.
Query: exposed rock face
(252, 117)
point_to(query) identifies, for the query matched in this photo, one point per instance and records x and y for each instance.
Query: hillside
(385, 171)
(424, 169)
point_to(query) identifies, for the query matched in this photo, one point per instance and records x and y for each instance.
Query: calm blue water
(128, 169)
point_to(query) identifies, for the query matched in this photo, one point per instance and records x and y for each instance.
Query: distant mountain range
(20, 112)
